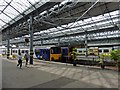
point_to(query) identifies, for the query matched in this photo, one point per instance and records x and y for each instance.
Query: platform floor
(45, 74)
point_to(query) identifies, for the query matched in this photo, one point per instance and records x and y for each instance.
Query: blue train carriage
(65, 54)
(53, 53)
(42, 53)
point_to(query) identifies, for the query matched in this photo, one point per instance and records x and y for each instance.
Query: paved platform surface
(45, 74)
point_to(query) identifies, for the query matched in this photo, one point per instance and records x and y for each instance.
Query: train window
(13, 51)
(63, 51)
(106, 50)
(43, 52)
(37, 51)
(26, 51)
(80, 51)
(84, 51)
(51, 51)
(3, 50)
(22, 51)
(91, 50)
(55, 50)
(100, 50)
(46, 51)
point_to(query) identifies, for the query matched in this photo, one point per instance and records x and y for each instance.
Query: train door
(43, 54)
(90, 52)
(65, 55)
(96, 51)
(47, 54)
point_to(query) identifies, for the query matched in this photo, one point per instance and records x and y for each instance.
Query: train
(40, 52)
(55, 53)
(95, 50)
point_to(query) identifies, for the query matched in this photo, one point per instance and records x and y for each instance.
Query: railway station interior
(60, 44)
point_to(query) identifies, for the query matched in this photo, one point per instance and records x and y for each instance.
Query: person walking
(19, 60)
(74, 56)
(26, 58)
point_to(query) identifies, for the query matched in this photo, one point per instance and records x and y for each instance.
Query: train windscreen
(55, 50)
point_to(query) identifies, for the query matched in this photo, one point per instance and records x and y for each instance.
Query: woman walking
(19, 60)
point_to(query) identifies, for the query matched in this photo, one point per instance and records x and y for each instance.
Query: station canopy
(9, 9)
(107, 17)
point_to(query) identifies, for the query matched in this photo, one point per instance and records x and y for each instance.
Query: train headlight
(38, 56)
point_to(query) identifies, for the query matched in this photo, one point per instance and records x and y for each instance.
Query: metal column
(58, 41)
(31, 39)
(119, 17)
(86, 44)
(8, 44)
(11, 51)
(41, 42)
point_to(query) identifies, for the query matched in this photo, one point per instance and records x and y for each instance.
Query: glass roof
(99, 22)
(9, 9)
(94, 23)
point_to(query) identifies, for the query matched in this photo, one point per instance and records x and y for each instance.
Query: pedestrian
(74, 56)
(19, 60)
(26, 58)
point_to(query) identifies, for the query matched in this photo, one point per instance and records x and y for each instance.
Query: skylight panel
(3, 3)
(106, 15)
(1, 24)
(94, 18)
(115, 20)
(88, 20)
(19, 6)
(61, 27)
(114, 12)
(2, 7)
(14, 9)
(4, 18)
(103, 23)
(10, 10)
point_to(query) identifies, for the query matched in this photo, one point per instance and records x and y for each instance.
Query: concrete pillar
(31, 39)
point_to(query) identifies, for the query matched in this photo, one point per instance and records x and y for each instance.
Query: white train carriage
(23, 50)
(3, 51)
(81, 51)
(14, 51)
(105, 50)
(93, 51)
